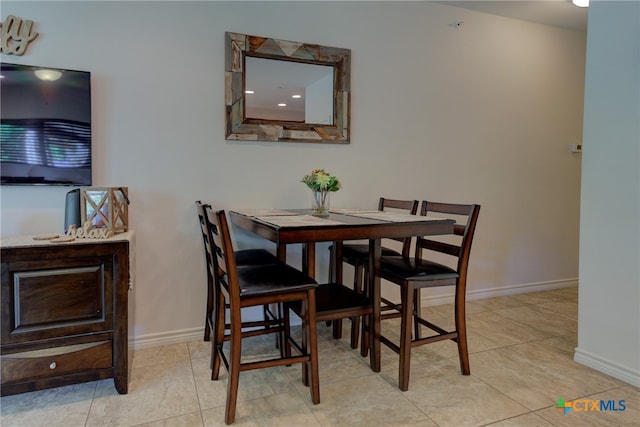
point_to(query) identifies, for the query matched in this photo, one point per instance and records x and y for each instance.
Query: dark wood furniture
(420, 271)
(246, 257)
(357, 255)
(253, 286)
(65, 311)
(347, 227)
(335, 301)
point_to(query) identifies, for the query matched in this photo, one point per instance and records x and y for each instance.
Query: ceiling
(560, 13)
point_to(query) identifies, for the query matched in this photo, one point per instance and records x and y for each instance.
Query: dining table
(297, 226)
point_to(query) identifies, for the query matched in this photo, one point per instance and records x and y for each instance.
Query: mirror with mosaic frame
(332, 65)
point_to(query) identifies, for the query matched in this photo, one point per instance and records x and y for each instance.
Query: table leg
(335, 276)
(375, 250)
(309, 259)
(281, 252)
(335, 263)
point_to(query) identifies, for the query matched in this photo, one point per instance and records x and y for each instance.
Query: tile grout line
(195, 384)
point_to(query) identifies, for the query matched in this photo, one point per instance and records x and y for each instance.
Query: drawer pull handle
(53, 365)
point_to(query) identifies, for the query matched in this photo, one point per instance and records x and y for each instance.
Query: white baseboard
(607, 367)
(168, 338)
(447, 298)
(192, 334)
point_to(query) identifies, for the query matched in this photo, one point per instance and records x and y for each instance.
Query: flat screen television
(45, 126)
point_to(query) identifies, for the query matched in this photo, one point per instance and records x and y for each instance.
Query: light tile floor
(521, 363)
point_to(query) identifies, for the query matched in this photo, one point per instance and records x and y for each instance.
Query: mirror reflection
(288, 91)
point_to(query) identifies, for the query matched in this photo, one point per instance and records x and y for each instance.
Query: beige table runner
(351, 211)
(395, 217)
(264, 212)
(296, 220)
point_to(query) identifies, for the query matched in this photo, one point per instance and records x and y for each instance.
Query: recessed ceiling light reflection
(48, 75)
(249, 92)
(282, 104)
(296, 96)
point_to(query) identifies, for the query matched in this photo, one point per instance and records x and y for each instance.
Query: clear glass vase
(320, 203)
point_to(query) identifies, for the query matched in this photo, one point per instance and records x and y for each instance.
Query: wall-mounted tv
(45, 126)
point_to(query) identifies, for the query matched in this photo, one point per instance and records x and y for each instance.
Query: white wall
(484, 113)
(609, 304)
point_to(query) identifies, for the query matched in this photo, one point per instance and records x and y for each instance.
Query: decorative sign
(88, 232)
(16, 35)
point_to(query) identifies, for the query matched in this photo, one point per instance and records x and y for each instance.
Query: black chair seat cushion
(420, 270)
(334, 299)
(335, 296)
(359, 253)
(271, 279)
(254, 257)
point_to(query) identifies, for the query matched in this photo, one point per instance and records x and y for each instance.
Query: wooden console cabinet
(65, 311)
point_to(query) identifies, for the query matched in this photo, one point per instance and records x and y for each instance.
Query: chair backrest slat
(406, 205)
(466, 217)
(207, 246)
(442, 247)
(222, 254)
(410, 206)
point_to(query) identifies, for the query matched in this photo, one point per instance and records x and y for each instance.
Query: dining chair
(254, 286)
(357, 255)
(243, 258)
(438, 261)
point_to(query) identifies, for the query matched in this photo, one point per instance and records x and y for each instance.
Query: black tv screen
(45, 126)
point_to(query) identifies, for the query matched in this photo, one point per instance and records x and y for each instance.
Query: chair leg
(310, 374)
(285, 349)
(329, 322)
(336, 324)
(355, 332)
(305, 349)
(266, 310)
(233, 379)
(364, 339)
(207, 328)
(366, 322)
(306, 345)
(313, 349)
(461, 328)
(355, 321)
(211, 301)
(217, 342)
(406, 297)
(337, 328)
(417, 314)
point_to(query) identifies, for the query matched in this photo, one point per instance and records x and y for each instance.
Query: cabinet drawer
(56, 361)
